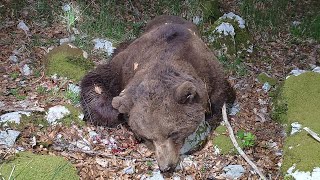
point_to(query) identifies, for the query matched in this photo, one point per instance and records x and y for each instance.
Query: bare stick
(313, 134)
(14, 166)
(236, 145)
(28, 109)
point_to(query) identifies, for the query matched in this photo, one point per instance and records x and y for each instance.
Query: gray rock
(55, 113)
(8, 138)
(234, 109)
(74, 88)
(105, 45)
(13, 116)
(13, 58)
(128, 170)
(193, 141)
(24, 27)
(67, 40)
(266, 87)
(295, 127)
(233, 171)
(26, 70)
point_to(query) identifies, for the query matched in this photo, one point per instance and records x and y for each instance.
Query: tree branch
(236, 145)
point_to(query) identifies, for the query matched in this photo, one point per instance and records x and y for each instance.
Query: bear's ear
(186, 93)
(122, 103)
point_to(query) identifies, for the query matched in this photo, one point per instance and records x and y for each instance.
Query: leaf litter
(105, 153)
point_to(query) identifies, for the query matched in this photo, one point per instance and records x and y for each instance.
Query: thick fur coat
(166, 82)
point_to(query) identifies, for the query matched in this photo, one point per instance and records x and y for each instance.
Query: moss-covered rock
(222, 141)
(68, 61)
(229, 36)
(302, 95)
(29, 166)
(263, 78)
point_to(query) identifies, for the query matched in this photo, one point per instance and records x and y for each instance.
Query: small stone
(55, 113)
(295, 127)
(296, 23)
(197, 19)
(128, 170)
(81, 144)
(234, 109)
(33, 141)
(26, 70)
(2, 104)
(81, 116)
(102, 162)
(75, 31)
(92, 134)
(104, 45)
(8, 138)
(13, 116)
(266, 87)
(74, 88)
(233, 171)
(24, 27)
(67, 40)
(66, 7)
(13, 58)
(316, 69)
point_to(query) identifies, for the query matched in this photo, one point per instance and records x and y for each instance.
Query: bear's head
(164, 108)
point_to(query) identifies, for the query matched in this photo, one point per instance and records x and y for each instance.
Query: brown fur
(170, 81)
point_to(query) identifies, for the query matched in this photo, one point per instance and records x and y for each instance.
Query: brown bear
(165, 82)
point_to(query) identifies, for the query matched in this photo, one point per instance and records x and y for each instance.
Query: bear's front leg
(98, 88)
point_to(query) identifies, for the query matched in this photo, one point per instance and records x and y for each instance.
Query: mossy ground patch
(29, 166)
(302, 94)
(222, 141)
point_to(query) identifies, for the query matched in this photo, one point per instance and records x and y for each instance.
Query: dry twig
(236, 145)
(313, 134)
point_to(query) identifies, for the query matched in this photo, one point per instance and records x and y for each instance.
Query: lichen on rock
(229, 36)
(68, 61)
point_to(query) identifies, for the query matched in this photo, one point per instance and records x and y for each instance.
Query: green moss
(302, 94)
(28, 166)
(263, 78)
(211, 10)
(222, 141)
(233, 46)
(68, 62)
(25, 121)
(279, 105)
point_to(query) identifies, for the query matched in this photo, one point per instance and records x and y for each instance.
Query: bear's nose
(167, 168)
(167, 155)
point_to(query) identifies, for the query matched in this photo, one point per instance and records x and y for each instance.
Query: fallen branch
(14, 166)
(312, 133)
(27, 109)
(236, 145)
(107, 155)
